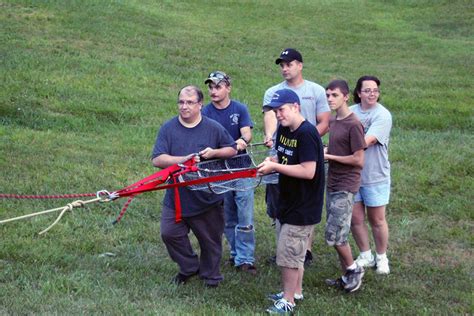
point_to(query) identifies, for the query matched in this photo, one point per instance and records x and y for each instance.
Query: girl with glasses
(374, 192)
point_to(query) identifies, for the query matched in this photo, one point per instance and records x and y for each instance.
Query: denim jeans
(239, 228)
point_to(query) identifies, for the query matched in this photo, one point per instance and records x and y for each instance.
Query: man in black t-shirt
(300, 163)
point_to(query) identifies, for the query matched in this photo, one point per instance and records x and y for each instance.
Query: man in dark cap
(314, 108)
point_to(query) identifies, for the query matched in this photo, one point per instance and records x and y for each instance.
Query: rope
(62, 196)
(156, 181)
(124, 209)
(63, 209)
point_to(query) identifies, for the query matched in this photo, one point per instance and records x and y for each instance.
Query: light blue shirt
(312, 97)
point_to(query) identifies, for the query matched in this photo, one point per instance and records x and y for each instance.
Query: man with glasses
(178, 140)
(314, 108)
(238, 205)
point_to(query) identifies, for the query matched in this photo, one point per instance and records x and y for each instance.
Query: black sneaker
(354, 279)
(272, 260)
(211, 285)
(337, 283)
(179, 278)
(308, 259)
(231, 261)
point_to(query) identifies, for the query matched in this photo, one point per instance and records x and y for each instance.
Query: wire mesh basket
(250, 160)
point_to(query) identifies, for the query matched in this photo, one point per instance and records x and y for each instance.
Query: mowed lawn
(87, 84)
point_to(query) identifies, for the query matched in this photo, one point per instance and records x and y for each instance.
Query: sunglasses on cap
(217, 76)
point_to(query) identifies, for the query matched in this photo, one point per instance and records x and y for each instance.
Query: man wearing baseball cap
(300, 164)
(314, 108)
(238, 205)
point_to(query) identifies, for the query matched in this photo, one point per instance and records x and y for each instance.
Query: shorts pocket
(296, 241)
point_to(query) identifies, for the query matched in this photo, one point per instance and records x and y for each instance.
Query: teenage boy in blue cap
(300, 163)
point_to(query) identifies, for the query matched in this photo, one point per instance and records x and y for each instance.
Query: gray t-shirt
(312, 97)
(377, 122)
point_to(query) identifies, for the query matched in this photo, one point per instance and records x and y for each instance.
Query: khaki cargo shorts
(291, 248)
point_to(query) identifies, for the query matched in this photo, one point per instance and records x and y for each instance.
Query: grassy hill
(87, 84)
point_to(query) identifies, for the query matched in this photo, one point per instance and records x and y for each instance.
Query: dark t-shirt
(301, 200)
(176, 140)
(346, 136)
(233, 117)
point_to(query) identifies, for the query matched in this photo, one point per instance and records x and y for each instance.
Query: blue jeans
(239, 228)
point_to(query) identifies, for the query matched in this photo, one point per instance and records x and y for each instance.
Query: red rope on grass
(124, 209)
(62, 196)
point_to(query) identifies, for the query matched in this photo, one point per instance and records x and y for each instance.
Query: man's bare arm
(322, 120)
(304, 170)
(269, 126)
(221, 153)
(165, 160)
(356, 159)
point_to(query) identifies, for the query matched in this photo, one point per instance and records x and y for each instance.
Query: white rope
(63, 210)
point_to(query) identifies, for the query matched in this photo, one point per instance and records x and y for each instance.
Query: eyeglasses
(369, 91)
(187, 102)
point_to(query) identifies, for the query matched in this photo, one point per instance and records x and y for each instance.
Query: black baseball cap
(288, 55)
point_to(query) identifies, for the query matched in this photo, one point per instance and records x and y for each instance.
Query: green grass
(87, 84)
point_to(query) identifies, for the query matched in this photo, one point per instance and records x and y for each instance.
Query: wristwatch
(242, 138)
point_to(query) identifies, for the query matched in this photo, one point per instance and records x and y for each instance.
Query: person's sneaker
(353, 279)
(365, 262)
(231, 261)
(247, 267)
(382, 266)
(281, 306)
(279, 296)
(272, 260)
(179, 278)
(308, 259)
(337, 283)
(211, 285)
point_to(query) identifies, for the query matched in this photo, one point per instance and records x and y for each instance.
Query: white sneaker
(281, 307)
(365, 262)
(382, 266)
(279, 296)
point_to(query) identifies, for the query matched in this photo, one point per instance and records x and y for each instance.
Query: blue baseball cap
(281, 97)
